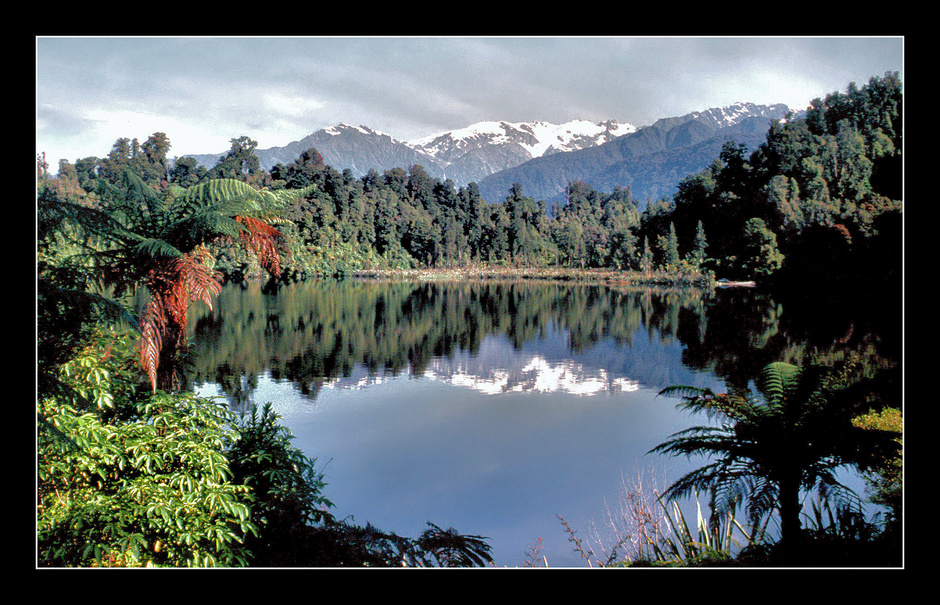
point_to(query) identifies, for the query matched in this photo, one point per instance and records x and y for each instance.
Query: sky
(202, 92)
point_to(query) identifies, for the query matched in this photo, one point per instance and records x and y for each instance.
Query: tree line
(820, 198)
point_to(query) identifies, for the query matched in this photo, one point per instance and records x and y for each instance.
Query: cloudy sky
(204, 91)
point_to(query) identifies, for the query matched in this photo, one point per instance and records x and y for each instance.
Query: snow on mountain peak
(535, 137)
(734, 113)
(344, 127)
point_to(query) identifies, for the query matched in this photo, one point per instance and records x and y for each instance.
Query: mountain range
(540, 156)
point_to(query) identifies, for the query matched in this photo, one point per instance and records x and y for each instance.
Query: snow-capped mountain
(532, 139)
(723, 117)
(464, 155)
(539, 155)
(650, 161)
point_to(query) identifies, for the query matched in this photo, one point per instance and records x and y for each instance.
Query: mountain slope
(471, 153)
(343, 146)
(651, 161)
(656, 175)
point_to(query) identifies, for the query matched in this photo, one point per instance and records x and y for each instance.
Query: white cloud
(103, 126)
(291, 105)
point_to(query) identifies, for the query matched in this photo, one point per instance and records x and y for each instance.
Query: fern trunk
(790, 527)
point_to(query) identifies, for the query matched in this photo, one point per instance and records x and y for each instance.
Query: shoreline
(587, 276)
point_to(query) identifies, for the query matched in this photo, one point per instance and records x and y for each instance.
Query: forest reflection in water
(492, 406)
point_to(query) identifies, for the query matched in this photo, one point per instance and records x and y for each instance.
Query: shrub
(131, 478)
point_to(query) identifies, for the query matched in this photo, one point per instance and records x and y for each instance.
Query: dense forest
(820, 199)
(134, 470)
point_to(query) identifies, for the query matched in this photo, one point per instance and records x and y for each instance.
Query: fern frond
(91, 221)
(264, 241)
(685, 391)
(205, 226)
(173, 284)
(107, 192)
(201, 282)
(228, 191)
(777, 381)
(286, 195)
(107, 308)
(734, 405)
(137, 192)
(173, 191)
(152, 326)
(155, 248)
(193, 208)
(696, 480)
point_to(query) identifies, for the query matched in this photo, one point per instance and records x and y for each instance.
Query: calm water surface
(492, 408)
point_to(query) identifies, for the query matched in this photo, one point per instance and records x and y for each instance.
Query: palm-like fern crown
(181, 220)
(796, 429)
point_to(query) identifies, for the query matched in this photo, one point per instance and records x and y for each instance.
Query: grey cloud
(412, 87)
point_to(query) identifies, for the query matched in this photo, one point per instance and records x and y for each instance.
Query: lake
(502, 408)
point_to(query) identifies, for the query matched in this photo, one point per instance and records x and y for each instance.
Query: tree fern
(152, 327)
(157, 239)
(795, 434)
(226, 196)
(173, 285)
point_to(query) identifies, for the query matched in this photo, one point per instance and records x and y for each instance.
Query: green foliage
(132, 235)
(286, 490)
(712, 541)
(886, 474)
(669, 247)
(240, 162)
(343, 544)
(793, 435)
(128, 478)
(819, 185)
(762, 258)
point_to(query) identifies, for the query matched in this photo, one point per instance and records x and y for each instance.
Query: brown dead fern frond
(173, 283)
(152, 326)
(264, 241)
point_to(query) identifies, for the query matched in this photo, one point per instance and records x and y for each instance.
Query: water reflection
(492, 337)
(493, 407)
(494, 370)
(502, 337)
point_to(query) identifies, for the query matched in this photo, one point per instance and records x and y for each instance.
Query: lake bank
(587, 276)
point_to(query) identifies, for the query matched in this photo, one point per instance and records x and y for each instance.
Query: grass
(643, 530)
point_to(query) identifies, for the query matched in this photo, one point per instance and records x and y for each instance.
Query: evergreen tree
(671, 249)
(240, 162)
(698, 251)
(761, 257)
(186, 172)
(153, 166)
(646, 260)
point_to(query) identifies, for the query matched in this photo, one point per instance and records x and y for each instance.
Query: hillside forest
(819, 200)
